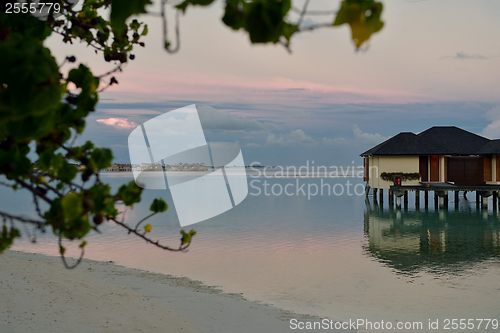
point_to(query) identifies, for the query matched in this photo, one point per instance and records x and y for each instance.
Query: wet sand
(39, 295)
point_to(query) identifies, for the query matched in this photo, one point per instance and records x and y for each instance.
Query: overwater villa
(440, 159)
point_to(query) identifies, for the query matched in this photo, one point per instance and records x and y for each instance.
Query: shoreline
(39, 294)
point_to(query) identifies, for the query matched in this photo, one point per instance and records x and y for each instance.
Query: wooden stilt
(495, 196)
(442, 202)
(406, 199)
(484, 202)
(436, 199)
(398, 202)
(478, 200)
(456, 199)
(426, 199)
(417, 199)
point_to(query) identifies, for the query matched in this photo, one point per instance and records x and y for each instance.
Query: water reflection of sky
(331, 255)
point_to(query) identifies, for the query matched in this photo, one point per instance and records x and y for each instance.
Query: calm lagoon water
(340, 257)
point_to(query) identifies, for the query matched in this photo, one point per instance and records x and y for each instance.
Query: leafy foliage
(264, 20)
(7, 237)
(121, 10)
(41, 108)
(390, 176)
(269, 21)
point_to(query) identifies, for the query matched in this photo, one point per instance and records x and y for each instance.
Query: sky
(435, 63)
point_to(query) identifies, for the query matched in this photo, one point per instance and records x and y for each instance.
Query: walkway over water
(440, 190)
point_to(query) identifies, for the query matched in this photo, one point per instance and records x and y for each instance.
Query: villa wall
(409, 164)
(379, 164)
(495, 171)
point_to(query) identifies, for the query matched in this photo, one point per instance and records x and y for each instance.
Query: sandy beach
(39, 295)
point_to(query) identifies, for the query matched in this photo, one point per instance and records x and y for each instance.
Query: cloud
(299, 137)
(367, 138)
(466, 56)
(212, 119)
(492, 131)
(121, 123)
(471, 105)
(295, 138)
(334, 142)
(126, 112)
(251, 135)
(252, 145)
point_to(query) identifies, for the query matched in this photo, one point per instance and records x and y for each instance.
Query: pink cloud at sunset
(121, 123)
(153, 86)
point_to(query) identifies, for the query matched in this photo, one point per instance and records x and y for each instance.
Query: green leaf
(363, 16)
(234, 16)
(83, 78)
(158, 206)
(31, 90)
(121, 10)
(67, 172)
(102, 157)
(187, 236)
(72, 206)
(100, 195)
(265, 20)
(289, 30)
(148, 227)
(7, 237)
(130, 193)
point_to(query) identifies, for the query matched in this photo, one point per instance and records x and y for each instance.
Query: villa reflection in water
(440, 242)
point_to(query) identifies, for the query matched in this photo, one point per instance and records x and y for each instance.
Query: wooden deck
(444, 186)
(440, 189)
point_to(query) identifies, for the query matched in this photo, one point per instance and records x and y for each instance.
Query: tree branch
(314, 27)
(166, 43)
(181, 248)
(314, 12)
(144, 219)
(303, 13)
(39, 224)
(64, 258)
(29, 188)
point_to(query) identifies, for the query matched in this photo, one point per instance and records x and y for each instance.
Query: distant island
(157, 167)
(119, 167)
